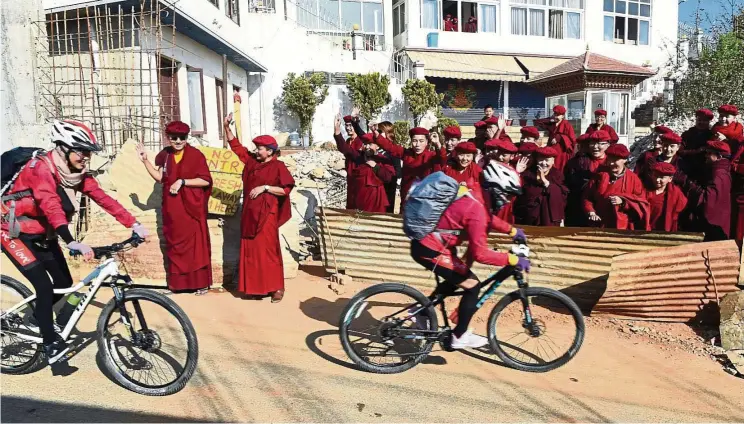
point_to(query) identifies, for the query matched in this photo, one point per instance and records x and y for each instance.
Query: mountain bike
(139, 355)
(399, 324)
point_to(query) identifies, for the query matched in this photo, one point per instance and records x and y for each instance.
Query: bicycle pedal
(60, 357)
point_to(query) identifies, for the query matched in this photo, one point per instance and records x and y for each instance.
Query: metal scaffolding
(102, 64)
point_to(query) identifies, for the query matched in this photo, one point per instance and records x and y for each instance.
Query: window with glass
(341, 16)
(431, 14)
(399, 19)
(561, 19)
(197, 117)
(460, 15)
(627, 21)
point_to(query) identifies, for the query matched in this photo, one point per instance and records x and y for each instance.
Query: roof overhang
(588, 80)
(469, 66)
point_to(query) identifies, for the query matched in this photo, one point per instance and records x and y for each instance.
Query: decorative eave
(588, 80)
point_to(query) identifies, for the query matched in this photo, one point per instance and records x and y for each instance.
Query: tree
(716, 75)
(444, 122)
(301, 96)
(369, 92)
(421, 97)
(401, 129)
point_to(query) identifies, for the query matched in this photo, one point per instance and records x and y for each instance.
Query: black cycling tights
(47, 261)
(468, 307)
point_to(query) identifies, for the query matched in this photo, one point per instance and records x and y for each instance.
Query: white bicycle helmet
(501, 180)
(74, 135)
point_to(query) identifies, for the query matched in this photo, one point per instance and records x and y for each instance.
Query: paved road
(283, 362)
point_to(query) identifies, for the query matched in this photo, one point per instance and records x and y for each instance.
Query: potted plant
(538, 115)
(523, 116)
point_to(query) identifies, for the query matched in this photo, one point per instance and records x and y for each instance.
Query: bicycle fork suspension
(119, 296)
(528, 321)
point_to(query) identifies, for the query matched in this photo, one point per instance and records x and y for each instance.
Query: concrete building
(496, 47)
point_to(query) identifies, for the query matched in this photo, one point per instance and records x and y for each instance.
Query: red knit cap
(466, 147)
(348, 119)
(704, 113)
(559, 110)
(719, 146)
(530, 132)
(418, 131)
(267, 141)
(177, 128)
(452, 132)
(671, 138)
(728, 110)
(367, 138)
(660, 129)
(549, 152)
(600, 135)
(600, 112)
(506, 145)
(528, 148)
(618, 151)
(583, 138)
(665, 169)
(480, 124)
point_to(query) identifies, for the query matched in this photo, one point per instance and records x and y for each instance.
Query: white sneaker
(468, 339)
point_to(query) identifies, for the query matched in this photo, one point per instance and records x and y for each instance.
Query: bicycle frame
(107, 269)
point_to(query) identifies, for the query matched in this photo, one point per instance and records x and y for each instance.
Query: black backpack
(13, 161)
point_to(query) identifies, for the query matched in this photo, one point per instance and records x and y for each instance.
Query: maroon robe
(415, 166)
(735, 137)
(614, 138)
(565, 139)
(665, 208)
(355, 144)
(185, 229)
(579, 171)
(692, 152)
(261, 268)
(538, 205)
(709, 203)
(646, 171)
(369, 191)
(632, 214)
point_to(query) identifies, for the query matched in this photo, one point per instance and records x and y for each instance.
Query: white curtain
(487, 18)
(194, 83)
(556, 24)
(518, 21)
(537, 22)
(430, 12)
(573, 25)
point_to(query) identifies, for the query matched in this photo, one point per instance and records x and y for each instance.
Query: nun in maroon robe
(266, 207)
(354, 143)
(580, 170)
(615, 198)
(543, 198)
(370, 171)
(730, 131)
(561, 135)
(187, 185)
(600, 124)
(670, 143)
(666, 200)
(418, 160)
(694, 143)
(709, 202)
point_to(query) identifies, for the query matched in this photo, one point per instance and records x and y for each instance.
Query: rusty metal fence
(373, 248)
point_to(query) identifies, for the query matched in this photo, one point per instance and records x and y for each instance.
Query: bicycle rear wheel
(557, 330)
(159, 354)
(375, 331)
(18, 356)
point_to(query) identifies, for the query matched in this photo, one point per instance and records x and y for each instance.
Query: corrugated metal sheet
(670, 284)
(469, 66)
(373, 248)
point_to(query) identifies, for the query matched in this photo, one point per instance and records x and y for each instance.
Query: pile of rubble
(320, 172)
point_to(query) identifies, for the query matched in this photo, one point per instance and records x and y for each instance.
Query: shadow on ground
(18, 409)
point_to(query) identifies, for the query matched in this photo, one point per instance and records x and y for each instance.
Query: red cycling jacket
(42, 211)
(470, 217)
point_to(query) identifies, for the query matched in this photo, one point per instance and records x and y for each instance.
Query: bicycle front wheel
(377, 331)
(549, 339)
(158, 353)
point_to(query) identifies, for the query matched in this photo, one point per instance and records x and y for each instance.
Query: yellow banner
(227, 183)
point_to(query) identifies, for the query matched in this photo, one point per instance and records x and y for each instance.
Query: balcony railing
(261, 6)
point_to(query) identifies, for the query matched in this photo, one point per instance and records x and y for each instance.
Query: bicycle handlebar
(106, 251)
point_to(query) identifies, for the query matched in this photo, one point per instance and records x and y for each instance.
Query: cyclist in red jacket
(39, 207)
(467, 219)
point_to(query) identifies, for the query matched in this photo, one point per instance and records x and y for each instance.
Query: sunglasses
(83, 155)
(178, 137)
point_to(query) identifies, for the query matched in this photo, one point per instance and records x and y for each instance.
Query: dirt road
(283, 362)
